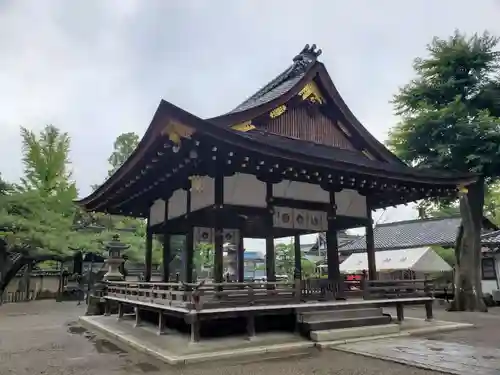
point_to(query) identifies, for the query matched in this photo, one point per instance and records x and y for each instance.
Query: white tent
(420, 259)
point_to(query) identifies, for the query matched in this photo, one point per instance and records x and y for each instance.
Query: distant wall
(43, 284)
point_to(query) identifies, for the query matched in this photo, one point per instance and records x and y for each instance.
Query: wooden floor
(262, 308)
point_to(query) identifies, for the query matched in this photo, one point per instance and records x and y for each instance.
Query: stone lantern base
(114, 273)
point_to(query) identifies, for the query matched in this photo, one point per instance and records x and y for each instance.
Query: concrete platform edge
(289, 349)
(403, 333)
(88, 323)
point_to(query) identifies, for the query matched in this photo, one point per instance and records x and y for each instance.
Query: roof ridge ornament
(308, 52)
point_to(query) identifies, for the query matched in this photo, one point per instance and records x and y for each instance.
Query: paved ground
(44, 338)
(486, 333)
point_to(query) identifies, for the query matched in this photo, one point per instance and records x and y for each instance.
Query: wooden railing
(213, 295)
(232, 294)
(383, 289)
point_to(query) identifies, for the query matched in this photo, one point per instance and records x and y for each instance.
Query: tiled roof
(351, 159)
(284, 81)
(409, 234)
(252, 255)
(491, 238)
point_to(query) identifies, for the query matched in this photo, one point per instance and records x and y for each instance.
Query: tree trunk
(467, 279)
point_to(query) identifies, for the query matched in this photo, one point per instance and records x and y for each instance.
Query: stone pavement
(437, 355)
(43, 338)
(471, 351)
(485, 334)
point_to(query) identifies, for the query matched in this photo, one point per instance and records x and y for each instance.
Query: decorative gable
(309, 124)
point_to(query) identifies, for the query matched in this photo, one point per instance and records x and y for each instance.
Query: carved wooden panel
(309, 124)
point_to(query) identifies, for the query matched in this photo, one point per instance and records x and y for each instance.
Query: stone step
(315, 316)
(345, 323)
(354, 332)
(314, 308)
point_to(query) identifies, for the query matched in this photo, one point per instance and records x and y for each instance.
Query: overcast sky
(98, 68)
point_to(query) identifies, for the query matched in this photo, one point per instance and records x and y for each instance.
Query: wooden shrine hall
(290, 160)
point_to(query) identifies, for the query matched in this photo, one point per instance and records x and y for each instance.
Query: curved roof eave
(168, 110)
(146, 141)
(334, 94)
(218, 128)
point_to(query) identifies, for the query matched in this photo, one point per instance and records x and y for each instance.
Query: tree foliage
(5, 187)
(46, 163)
(124, 145)
(132, 230)
(38, 213)
(450, 120)
(450, 111)
(285, 261)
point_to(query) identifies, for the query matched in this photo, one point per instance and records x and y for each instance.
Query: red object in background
(353, 277)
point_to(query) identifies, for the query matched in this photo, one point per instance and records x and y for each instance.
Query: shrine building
(290, 160)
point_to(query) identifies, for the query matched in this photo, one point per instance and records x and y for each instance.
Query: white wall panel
(177, 204)
(300, 191)
(350, 203)
(244, 190)
(157, 212)
(205, 196)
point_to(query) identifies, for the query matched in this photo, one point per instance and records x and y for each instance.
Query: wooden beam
(270, 256)
(297, 257)
(149, 252)
(370, 243)
(241, 259)
(189, 249)
(300, 204)
(218, 239)
(166, 253)
(332, 245)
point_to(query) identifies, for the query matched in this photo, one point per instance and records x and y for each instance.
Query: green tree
(46, 163)
(449, 120)
(5, 187)
(447, 254)
(132, 230)
(124, 145)
(203, 256)
(491, 206)
(29, 220)
(285, 261)
(37, 214)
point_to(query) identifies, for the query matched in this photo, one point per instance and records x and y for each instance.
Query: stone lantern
(115, 260)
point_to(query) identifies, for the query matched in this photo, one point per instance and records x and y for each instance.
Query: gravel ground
(44, 338)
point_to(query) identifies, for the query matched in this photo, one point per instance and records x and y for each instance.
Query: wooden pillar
(370, 243)
(166, 256)
(149, 252)
(120, 311)
(218, 238)
(332, 246)
(161, 323)
(241, 259)
(250, 326)
(270, 256)
(107, 307)
(60, 285)
(195, 329)
(189, 250)
(138, 319)
(27, 281)
(298, 258)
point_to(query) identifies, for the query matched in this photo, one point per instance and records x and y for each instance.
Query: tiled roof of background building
(409, 234)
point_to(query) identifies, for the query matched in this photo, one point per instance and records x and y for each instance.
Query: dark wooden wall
(309, 124)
